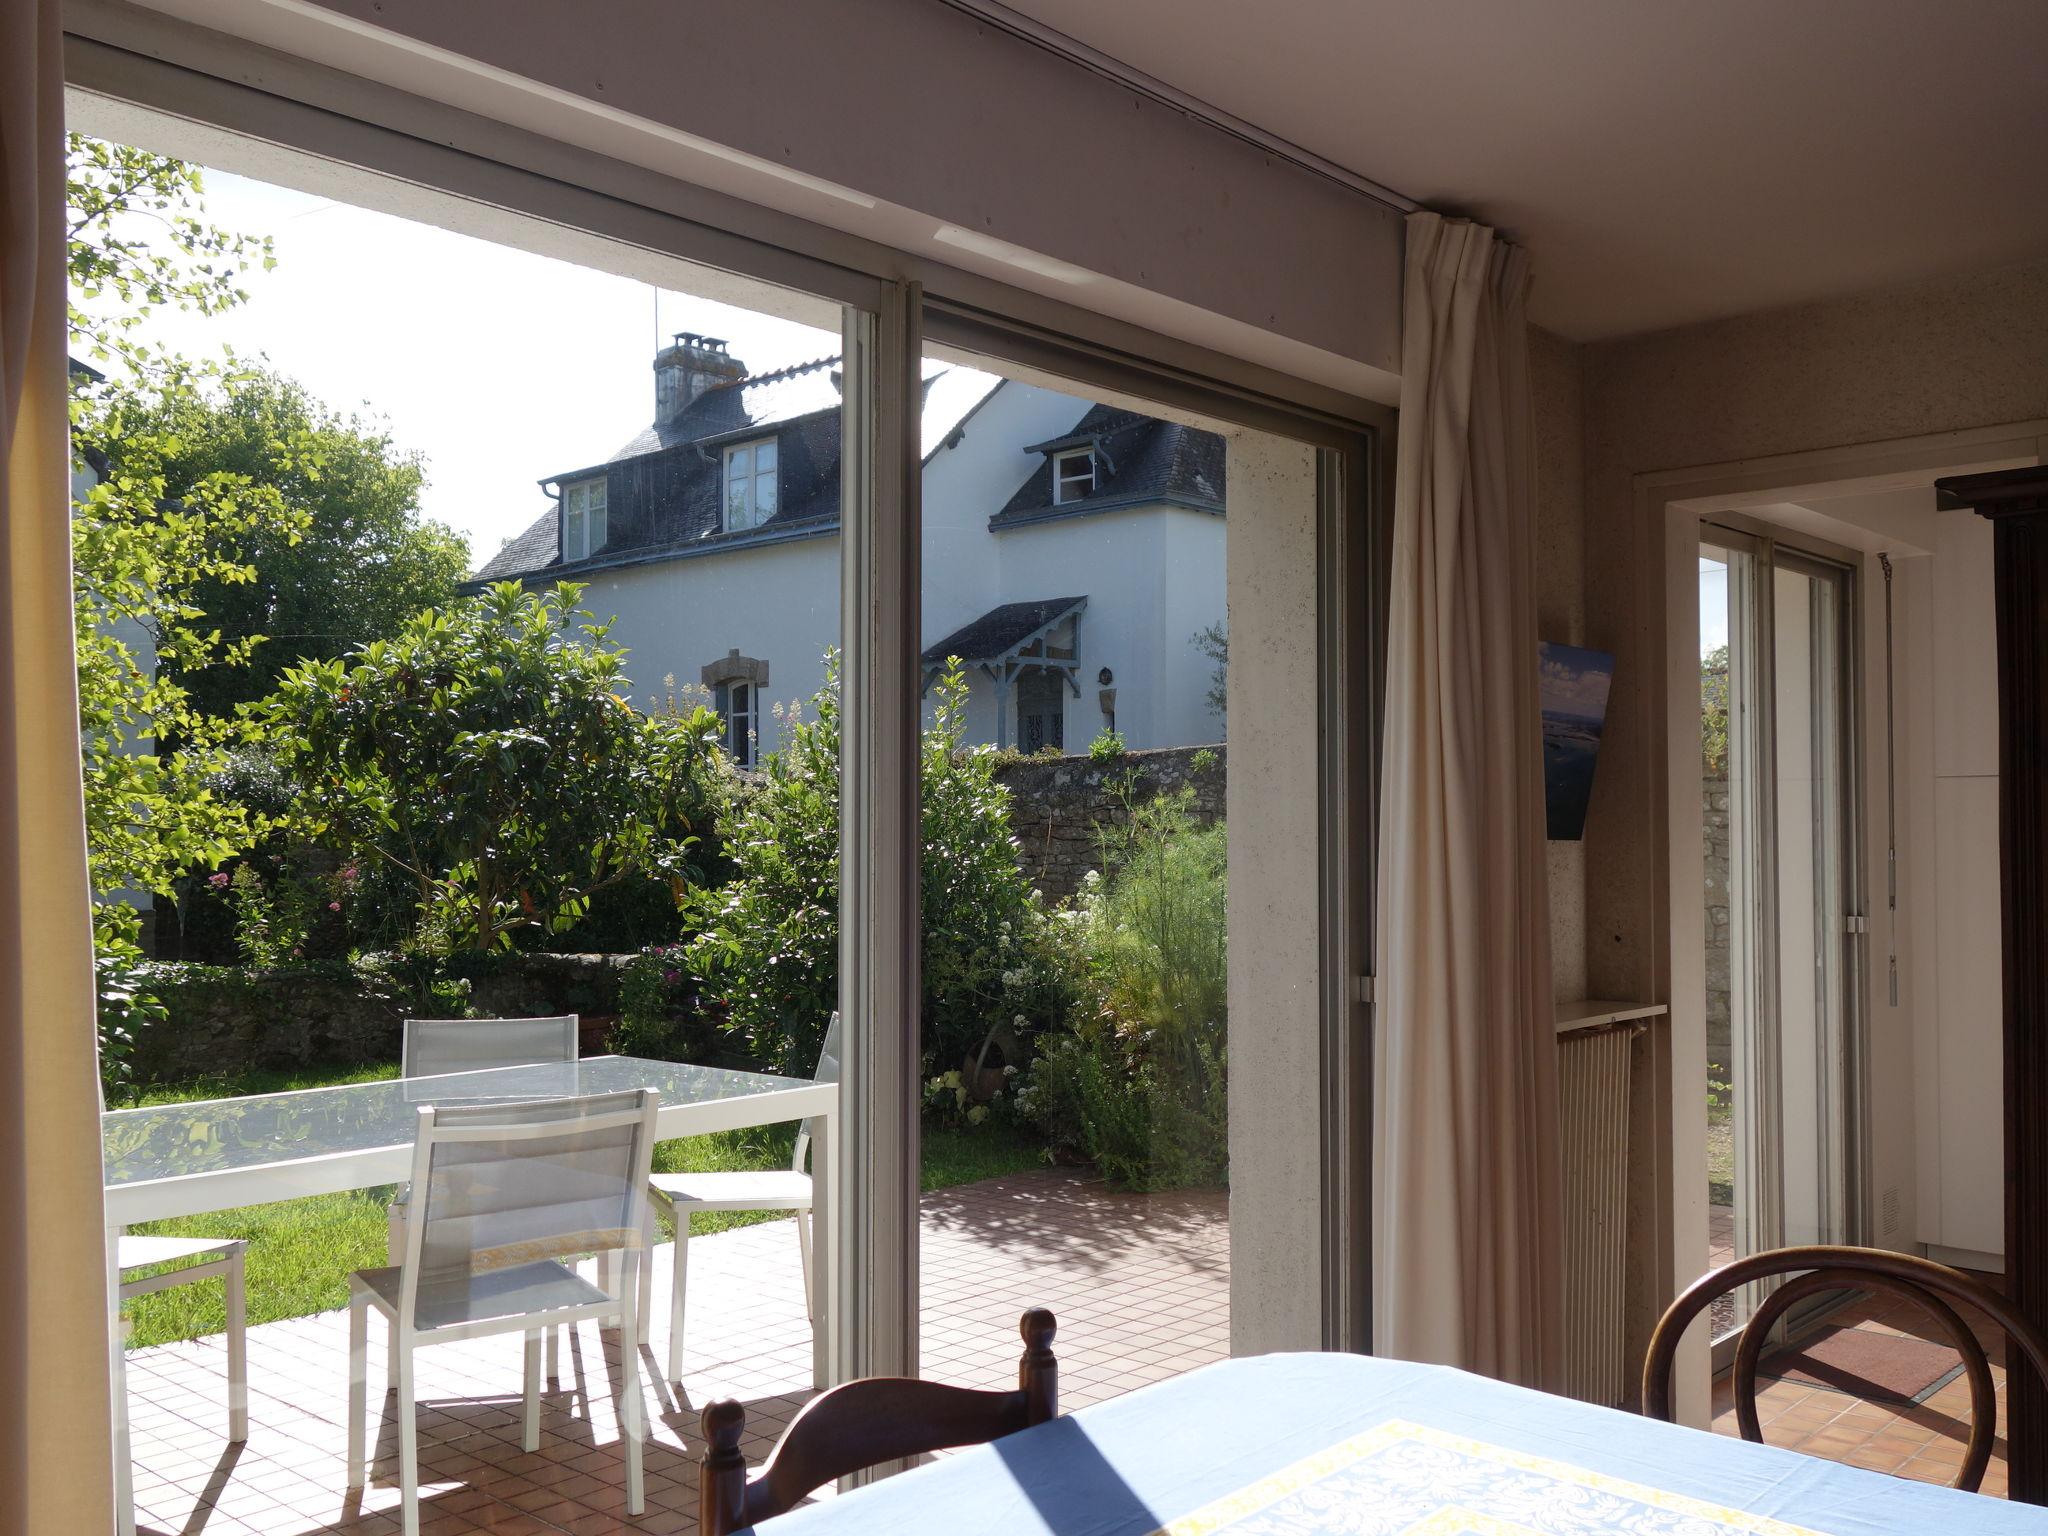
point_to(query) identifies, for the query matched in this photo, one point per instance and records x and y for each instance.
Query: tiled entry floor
(1924, 1442)
(1140, 1285)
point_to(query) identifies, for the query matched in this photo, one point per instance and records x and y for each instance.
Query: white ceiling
(1664, 161)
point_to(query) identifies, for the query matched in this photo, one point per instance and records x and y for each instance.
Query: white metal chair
(220, 1256)
(504, 1193)
(435, 1047)
(681, 1195)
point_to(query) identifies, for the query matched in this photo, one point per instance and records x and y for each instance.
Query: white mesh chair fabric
(433, 1047)
(504, 1193)
(680, 1195)
(437, 1047)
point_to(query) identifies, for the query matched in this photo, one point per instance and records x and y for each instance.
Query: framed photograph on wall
(1573, 693)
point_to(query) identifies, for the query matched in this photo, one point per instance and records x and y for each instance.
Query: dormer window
(750, 476)
(584, 523)
(1073, 475)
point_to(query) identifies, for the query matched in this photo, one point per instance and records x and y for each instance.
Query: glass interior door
(1775, 792)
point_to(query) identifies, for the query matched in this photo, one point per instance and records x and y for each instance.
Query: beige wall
(1932, 358)
(1556, 384)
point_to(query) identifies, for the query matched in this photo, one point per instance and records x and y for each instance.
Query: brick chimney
(685, 369)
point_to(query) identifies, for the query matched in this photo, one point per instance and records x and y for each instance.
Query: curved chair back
(433, 1047)
(1820, 1268)
(863, 1424)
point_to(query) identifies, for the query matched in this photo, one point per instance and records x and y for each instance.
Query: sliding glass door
(1778, 794)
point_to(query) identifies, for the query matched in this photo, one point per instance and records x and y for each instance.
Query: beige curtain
(1467, 1176)
(56, 1454)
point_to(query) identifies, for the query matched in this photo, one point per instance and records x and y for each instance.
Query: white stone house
(1072, 554)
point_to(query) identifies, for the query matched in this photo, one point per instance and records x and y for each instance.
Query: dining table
(1348, 1445)
(166, 1160)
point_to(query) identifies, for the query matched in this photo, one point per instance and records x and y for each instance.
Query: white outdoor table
(218, 1154)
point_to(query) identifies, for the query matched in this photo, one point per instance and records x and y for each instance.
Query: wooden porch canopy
(1007, 641)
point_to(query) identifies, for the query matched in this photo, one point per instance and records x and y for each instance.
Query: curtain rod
(1037, 33)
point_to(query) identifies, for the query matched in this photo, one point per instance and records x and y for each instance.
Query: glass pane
(714, 913)
(1810, 899)
(1079, 962)
(1731, 798)
(764, 456)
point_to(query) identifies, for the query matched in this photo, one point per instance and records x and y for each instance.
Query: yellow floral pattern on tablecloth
(1406, 1479)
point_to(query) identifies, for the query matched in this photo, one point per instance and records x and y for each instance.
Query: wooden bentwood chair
(862, 1424)
(1821, 1268)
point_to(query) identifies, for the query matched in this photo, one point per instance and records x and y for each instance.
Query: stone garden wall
(1059, 805)
(225, 1019)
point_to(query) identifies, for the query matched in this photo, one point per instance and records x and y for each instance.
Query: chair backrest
(495, 1186)
(436, 1046)
(1821, 1268)
(863, 1424)
(828, 1072)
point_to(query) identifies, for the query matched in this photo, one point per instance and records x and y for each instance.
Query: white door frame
(1670, 1181)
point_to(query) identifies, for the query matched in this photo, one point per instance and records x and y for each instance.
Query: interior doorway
(1777, 694)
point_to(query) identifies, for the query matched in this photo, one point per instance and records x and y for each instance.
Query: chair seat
(522, 1289)
(767, 1189)
(139, 1252)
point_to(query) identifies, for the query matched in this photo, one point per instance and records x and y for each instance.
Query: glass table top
(216, 1135)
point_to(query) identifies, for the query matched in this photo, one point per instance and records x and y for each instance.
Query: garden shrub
(1138, 1086)
(766, 947)
(654, 994)
(127, 1009)
(485, 756)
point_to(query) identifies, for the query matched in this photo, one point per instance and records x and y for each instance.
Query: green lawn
(301, 1251)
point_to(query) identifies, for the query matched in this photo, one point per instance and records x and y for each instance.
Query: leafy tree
(119, 202)
(485, 756)
(140, 555)
(1714, 712)
(355, 560)
(767, 946)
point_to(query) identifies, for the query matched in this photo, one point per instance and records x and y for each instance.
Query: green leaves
(118, 201)
(767, 943)
(483, 754)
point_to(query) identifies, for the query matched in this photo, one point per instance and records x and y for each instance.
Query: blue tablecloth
(1316, 1445)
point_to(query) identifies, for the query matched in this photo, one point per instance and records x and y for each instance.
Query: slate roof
(759, 400)
(1001, 629)
(1142, 459)
(664, 487)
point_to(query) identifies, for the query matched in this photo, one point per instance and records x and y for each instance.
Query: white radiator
(1592, 1084)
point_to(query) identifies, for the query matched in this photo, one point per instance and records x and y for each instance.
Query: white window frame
(1067, 488)
(586, 521)
(742, 466)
